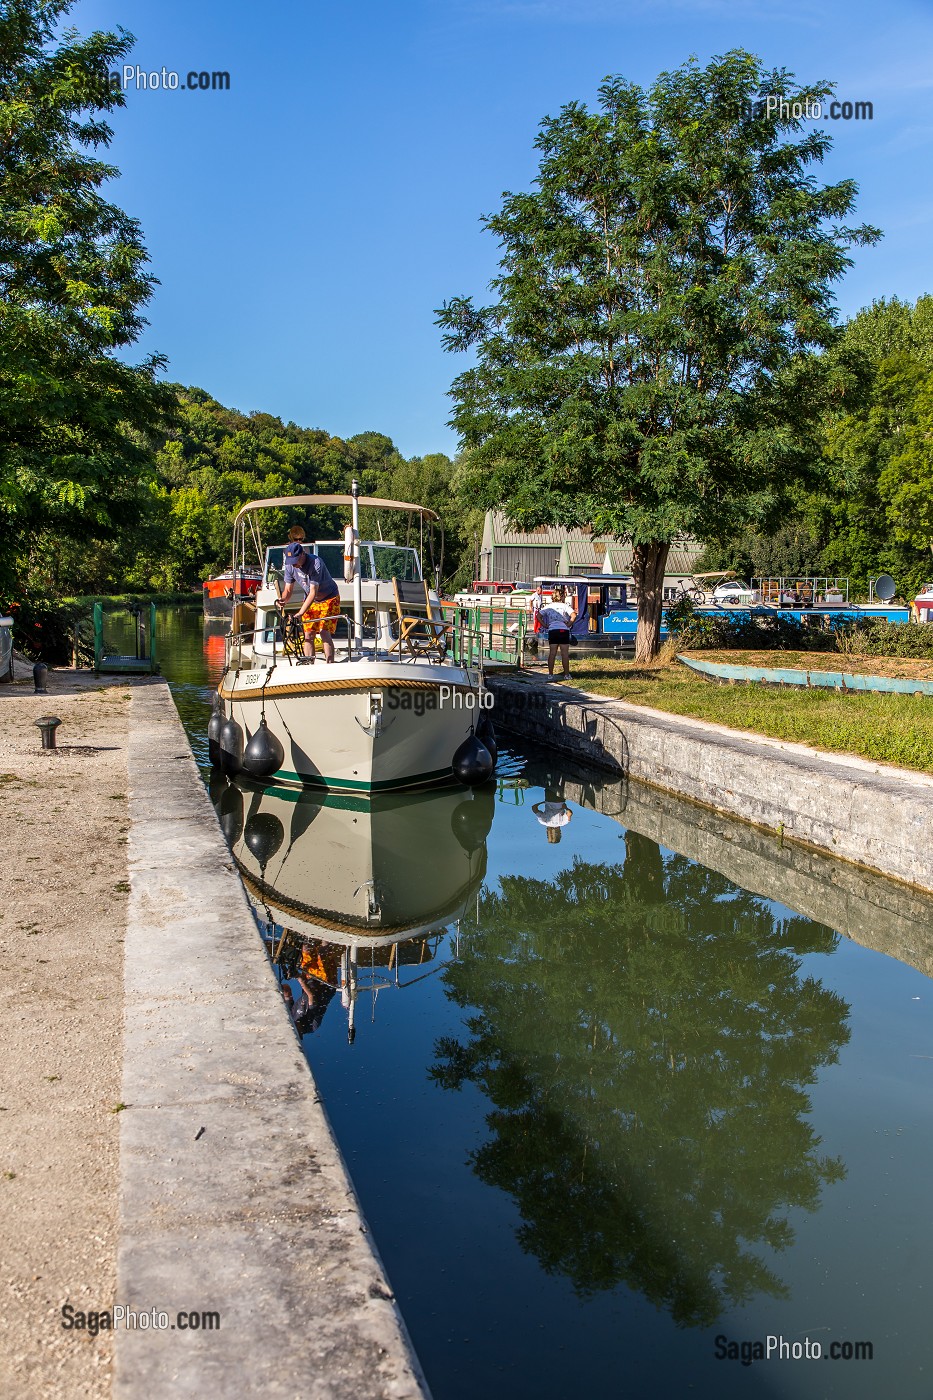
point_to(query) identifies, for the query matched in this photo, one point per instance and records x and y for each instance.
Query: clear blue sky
(305, 224)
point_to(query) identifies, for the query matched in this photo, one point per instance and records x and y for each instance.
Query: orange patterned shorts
(321, 617)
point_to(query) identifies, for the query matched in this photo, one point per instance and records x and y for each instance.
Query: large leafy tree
(906, 482)
(75, 418)
(644, 368)
(875, 516)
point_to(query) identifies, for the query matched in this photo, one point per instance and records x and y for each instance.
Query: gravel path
(63, 889)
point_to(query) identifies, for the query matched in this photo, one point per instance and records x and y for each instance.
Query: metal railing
(474, 635)
(108, 661)
(803, 590)
(484, 634)
(286, 641)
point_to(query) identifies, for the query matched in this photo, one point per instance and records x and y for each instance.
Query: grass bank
(895, 729)
(112, 601)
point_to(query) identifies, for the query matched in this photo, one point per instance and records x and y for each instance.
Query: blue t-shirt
(314, 571)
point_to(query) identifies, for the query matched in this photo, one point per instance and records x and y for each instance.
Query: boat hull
(220, 598)
(356, 729)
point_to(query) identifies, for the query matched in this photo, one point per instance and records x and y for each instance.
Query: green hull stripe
(439, 775)
(342, 801)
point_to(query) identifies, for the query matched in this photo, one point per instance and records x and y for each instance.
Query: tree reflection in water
(646, 1038)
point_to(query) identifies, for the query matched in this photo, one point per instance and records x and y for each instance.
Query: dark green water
(626, 1102)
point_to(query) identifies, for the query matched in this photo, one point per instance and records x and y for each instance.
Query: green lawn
(894, 729)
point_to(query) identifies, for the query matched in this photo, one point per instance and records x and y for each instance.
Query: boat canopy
(594, 580)
(246, 517)
(277, 502)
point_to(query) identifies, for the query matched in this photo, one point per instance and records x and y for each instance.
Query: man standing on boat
(321, 607)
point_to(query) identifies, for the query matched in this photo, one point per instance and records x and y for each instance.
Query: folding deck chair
(420, 632)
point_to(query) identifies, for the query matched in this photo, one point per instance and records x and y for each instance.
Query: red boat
(223, 590)
(486, 585)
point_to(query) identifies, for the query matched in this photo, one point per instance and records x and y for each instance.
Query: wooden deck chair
(420, 631)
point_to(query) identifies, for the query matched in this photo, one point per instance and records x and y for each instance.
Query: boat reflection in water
(350, 891)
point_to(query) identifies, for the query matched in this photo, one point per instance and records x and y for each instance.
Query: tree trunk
(649, 562)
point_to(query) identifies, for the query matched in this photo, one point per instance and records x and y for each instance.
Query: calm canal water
(651, 1084)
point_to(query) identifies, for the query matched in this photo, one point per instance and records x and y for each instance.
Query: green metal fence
(109, 662)
(486, 634)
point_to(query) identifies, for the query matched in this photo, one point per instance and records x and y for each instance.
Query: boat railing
(287, 641)
(482, 634)
(474, 636)
(803, 590)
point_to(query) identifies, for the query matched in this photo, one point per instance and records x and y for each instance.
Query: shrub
(44, 631)
(55, 633)
(740, 629)
(882, 638)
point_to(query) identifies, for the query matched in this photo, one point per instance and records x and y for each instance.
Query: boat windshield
(377, 561)
(395, 561)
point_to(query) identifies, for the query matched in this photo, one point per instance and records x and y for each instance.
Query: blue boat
(606, 607)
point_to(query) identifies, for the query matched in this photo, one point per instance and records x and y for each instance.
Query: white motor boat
(393, 708)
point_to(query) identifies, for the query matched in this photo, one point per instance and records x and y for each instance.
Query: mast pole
(357, 580)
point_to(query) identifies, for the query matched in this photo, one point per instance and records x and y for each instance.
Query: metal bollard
(47, 726)
(39, 674)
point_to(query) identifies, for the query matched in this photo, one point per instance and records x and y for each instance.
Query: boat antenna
(357, 572)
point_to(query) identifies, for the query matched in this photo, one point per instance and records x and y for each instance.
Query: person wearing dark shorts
(558, 618)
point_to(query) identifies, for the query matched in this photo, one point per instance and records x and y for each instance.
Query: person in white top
(553, 816)
(557, 619)
(537, 603)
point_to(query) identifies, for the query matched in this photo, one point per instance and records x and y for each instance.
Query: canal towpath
(63, 898)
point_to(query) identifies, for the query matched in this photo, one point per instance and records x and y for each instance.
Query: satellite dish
(885, 588)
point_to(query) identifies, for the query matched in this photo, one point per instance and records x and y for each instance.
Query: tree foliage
(644, 367)
(870, 509)
(75, 419)
(905, 483)
(214, 459)
(877, 516)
